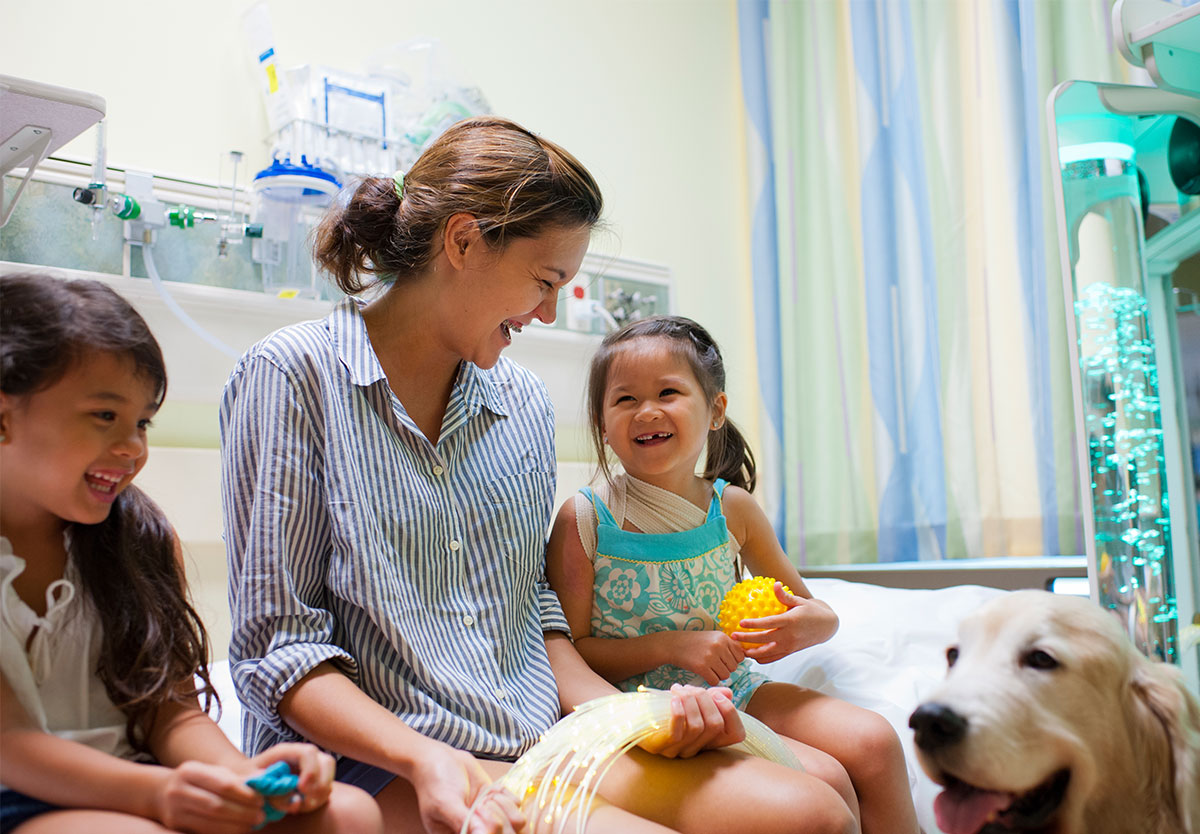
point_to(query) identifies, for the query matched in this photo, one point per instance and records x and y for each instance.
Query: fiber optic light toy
(557, 778)
(748, 600)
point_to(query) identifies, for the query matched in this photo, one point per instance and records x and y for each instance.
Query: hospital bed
(889, 651)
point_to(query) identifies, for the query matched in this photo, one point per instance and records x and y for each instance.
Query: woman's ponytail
(355, 238)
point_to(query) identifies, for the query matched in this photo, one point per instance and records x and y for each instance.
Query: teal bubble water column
(1130, 530)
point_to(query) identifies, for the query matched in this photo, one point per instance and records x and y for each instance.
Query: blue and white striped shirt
(417, 569)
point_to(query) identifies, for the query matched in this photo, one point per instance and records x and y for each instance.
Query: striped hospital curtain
(911, 335)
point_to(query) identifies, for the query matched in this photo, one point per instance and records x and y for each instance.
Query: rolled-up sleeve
(550, 609)
(277, 537)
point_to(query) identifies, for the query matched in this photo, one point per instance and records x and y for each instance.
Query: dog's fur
(1125, 728)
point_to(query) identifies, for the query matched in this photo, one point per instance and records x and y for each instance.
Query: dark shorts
(368, 777)
(17, 808)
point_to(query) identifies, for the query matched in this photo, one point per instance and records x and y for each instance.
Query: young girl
(100, 725)
(642, 563)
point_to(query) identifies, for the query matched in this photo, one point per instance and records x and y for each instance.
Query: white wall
(645, 92)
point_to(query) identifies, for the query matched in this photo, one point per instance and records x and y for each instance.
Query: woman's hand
(212, 799)
(447, 782)
(313, 768)
(713, 655)
(806, 622)
(701, 719)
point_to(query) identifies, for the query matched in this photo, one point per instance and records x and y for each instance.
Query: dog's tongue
(964, 810)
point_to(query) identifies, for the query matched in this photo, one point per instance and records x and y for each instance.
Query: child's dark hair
(153, 641)
(515, 183)
(729, 455)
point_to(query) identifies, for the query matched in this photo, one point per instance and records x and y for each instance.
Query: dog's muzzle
(937, 726)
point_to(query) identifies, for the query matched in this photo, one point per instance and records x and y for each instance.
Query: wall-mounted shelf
(35, 120)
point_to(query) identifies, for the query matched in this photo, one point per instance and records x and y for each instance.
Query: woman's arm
(710, 654)
(278, 534)
(807, 621)
(326, 707)
(329, 709)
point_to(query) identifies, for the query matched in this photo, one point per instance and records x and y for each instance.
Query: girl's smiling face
(656, 415)
(71, 448)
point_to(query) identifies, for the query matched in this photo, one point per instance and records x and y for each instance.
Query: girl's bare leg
(829, 770)
(726, 793)
(862, 741)
(349, 811)
(93, 822)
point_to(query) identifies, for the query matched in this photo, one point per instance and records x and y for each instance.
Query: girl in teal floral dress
(642, 562)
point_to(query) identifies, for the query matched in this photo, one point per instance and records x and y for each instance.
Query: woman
(388, 480)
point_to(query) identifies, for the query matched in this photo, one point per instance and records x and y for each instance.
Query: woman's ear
(718, 411)
(459, 235)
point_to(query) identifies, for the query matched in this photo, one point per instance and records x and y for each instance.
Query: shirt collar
(479, 389)
(348, 332)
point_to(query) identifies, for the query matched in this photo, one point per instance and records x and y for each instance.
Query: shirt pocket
(518, 516)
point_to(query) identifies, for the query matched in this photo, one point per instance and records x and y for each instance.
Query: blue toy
(276, 780)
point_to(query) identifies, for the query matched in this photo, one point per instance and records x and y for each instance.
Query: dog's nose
(937, 726)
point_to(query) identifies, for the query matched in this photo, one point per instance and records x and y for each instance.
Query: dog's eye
(951, 655)
(1038, 659)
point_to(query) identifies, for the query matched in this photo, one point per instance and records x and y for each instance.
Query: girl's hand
(701, 719)
(797, 628)
(207, 798)
(313, 767)
(713, 655)
(447, 781)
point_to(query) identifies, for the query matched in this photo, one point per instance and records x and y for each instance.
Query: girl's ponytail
(729, 457)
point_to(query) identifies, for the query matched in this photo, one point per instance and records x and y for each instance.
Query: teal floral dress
(646, 583)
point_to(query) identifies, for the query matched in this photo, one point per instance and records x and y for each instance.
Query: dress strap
(714, 506)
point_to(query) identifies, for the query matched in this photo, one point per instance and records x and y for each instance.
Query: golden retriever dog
(1049, 721)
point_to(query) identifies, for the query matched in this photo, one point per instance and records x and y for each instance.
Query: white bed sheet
(889, 652)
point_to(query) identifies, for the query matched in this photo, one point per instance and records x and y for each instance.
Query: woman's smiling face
(502, 292)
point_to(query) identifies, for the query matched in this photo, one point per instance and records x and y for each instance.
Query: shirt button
(500, 695)
(454, 545)
(468, 620)
(437, 470)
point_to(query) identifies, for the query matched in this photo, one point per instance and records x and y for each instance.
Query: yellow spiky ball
(749, 599)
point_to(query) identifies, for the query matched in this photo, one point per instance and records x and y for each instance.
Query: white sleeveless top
(50, 661)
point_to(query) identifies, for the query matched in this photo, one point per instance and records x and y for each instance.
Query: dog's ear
(1163, 699)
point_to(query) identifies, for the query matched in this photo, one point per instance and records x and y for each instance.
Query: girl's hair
(729, 455)
(153, 641)
(514, 183)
